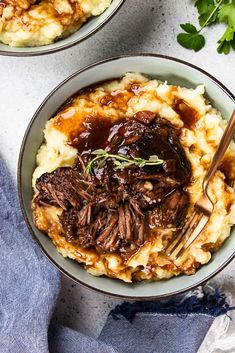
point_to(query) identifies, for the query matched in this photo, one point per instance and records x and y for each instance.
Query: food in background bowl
(121, 168)
(29, 23)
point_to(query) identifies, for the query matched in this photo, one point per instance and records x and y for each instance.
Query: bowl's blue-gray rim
(65, 46)
(19, 176)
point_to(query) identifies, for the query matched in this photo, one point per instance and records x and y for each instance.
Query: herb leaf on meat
(120, 161)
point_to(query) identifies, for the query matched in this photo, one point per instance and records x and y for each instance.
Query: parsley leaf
(211, 13)
(227, 15)
(203, 5)
(223, 47)
(193, 41)
(232, 43)
(189, 28)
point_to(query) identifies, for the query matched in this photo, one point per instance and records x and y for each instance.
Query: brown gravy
(188, 114)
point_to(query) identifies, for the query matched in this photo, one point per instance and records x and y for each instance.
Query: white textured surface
(140, 26)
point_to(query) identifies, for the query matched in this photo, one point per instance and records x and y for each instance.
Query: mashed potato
(134, 93)
(28, 23)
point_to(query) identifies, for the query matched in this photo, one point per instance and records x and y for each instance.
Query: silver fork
(204, 206)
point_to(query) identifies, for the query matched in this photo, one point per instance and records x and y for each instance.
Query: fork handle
(222, 148)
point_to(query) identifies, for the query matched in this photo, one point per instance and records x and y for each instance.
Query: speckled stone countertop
(139, 26)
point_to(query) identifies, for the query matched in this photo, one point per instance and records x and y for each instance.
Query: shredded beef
(114, 210)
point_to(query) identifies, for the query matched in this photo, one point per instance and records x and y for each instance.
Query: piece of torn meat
(170, 213)
(64, 187)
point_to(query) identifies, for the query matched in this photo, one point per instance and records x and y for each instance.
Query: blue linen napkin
(29, 286)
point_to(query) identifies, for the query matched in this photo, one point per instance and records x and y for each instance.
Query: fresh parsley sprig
(120, 161)
(210, 12)
(227, 15)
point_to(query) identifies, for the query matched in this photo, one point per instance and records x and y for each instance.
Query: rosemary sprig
(120, 161)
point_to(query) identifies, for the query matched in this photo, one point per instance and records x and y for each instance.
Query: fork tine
(179, 248)
(194, 234)
(180, 234)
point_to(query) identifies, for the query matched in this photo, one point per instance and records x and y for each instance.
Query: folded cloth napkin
(29, 286)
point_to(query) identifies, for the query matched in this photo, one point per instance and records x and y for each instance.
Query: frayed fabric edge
(203, 300)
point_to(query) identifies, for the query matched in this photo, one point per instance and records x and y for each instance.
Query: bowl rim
(19, 178)
(65, 46)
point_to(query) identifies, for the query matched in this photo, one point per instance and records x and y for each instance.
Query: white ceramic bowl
(175, 72)
(89, 28)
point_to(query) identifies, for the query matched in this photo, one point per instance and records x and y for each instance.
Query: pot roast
(113, 210)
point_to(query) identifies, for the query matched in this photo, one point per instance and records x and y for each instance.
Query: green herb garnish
(210, 12)
(120, 161)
